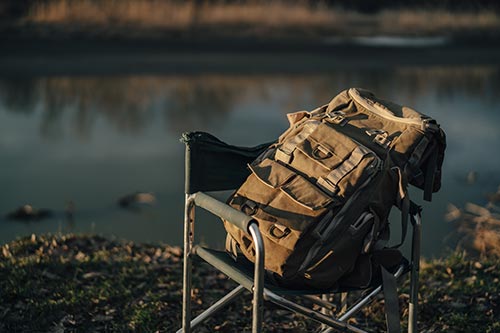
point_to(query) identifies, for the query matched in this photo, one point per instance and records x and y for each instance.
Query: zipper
(382, 112)
(307, 275)
(323, 223)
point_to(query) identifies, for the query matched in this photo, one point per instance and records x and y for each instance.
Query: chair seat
(241, 271)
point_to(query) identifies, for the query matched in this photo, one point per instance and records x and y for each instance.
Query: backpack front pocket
(339, 163)
(291, 199)
(337, 259)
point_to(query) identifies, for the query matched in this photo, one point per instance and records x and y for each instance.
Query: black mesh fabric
(213, 165)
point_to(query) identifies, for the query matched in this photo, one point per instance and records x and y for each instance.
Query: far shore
(93, 56)
(84, 37)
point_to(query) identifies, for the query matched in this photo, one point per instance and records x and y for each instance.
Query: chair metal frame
(261, 293)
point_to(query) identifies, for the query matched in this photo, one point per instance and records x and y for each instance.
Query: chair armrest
(250, 226)
(223, 211)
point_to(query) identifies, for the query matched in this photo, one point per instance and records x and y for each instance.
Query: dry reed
(427, 21)
(170, 14)
(179, 15)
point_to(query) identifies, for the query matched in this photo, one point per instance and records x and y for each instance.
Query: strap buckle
(249, 207)
(282, 156)
(381, 137)
(279, 231)
(328, 186)
(430, 125)
(338, 117)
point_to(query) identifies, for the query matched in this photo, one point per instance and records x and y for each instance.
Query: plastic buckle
(381, 140)
(430, 124)
(280, 155)
(249, 207)
(327, 186)
(380, 137)
(338, 117)
(282, 231)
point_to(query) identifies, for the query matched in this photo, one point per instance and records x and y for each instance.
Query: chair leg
(415, 269)
(362, 302)
(309, 313)
(217, 306)
(258, 287)
(188, 243)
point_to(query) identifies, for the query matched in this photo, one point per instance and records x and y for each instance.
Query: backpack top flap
(415, 141)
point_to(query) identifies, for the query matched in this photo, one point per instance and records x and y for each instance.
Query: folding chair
(212, 165)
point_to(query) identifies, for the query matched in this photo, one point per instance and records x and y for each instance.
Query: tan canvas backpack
(323, 192)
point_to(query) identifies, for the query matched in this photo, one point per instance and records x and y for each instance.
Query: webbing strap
(285, 151)
(418, 152)
(231, 246)
(412, 168)
(430, 173)
(336, 175)
(403, 204)
(391, 304)
(405, 212)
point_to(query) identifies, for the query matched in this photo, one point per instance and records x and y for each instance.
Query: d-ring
(283, 231)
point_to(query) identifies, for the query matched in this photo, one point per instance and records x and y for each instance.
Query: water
(92, 139)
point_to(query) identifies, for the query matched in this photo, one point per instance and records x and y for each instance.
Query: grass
(149, 18)
(92, 284)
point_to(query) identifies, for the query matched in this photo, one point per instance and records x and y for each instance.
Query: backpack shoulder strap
(391, 304)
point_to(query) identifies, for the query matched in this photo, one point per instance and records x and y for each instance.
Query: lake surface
(92, 139)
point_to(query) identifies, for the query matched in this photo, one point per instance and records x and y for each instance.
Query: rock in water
(27, 213)
(471, 177)
(137, 198)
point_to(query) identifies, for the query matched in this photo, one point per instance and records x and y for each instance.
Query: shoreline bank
(98, 284)
(173, 56)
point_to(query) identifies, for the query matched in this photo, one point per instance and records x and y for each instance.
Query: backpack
(323, 191)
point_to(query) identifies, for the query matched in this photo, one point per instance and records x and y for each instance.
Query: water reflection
(93, 139)
(128, 104)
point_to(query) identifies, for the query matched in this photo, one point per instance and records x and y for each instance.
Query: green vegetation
(89, 283)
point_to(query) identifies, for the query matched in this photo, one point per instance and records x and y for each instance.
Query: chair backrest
(213, 165)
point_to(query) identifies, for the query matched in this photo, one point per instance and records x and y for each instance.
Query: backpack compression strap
(403, 203)
(231, 246)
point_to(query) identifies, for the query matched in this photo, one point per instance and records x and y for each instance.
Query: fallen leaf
(91, 275)
(49, 275)
(102, 318)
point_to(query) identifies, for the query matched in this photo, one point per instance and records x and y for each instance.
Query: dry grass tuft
(479, 227)
(170, 14)
(440, 20)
